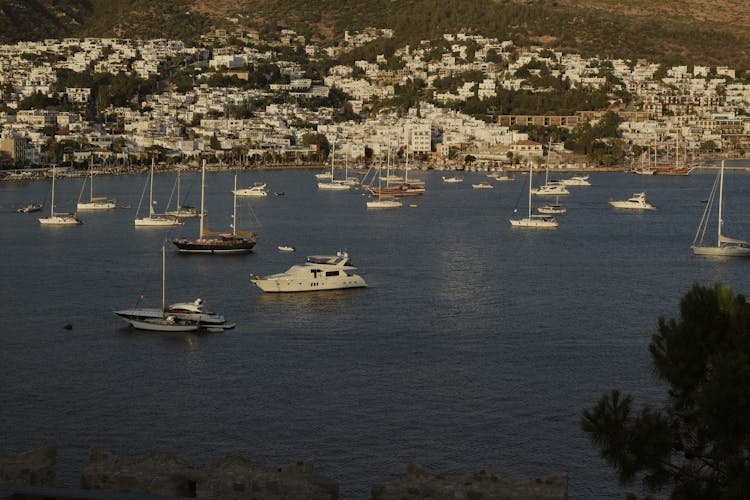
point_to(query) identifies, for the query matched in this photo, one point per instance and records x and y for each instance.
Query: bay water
(475, 347)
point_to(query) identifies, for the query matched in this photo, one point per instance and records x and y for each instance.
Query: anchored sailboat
(725, 246)
(153, 219)
(534, 221)
(220, 242)
(58, 219)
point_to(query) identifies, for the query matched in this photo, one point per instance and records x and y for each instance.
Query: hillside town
(694, 109)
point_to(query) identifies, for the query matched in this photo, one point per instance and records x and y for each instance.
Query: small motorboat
(31, 207)
(285, 248)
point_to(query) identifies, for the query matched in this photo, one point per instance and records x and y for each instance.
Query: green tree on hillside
(698, 445)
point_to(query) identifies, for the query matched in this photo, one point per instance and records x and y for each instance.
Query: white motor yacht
(258, 189)
(635, 202)
(551, 188)
(319, 272)
(576, 180)
(452, 180)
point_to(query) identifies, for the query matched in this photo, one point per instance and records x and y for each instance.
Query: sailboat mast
(203, 184)
(151, 192)
(721, 202)
(163, 277)
(234, 208)
(52, 205)
(531, 169)
(179, 204)
(91, 182)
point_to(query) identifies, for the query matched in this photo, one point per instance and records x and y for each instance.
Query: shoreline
(40, 173)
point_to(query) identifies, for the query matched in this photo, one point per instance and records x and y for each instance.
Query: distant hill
(686, 31)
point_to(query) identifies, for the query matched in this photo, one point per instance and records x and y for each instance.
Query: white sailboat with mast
(533, 221)
(334, 184)
(178, 317)
(183, 211)
(58, 219)
(153, 219)
(725, 246)
(95, 202)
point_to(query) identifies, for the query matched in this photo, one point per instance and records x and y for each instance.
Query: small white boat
(95, 202)
(31, 207)
(452, 180)
(551, 188)
(58, 219)
(635, 202)
(534, 221)
(153, 219)
(552, 209)
(323, 176)
(385, 203)
(319, 272)
(483, 185)
(285, 248)
(258, 190)
(576, 180)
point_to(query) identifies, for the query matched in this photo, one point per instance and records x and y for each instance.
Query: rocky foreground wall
(235, 477)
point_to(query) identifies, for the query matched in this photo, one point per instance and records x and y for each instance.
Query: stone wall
(421, 483)
(235, 477)
(32, 468)
(230, 477)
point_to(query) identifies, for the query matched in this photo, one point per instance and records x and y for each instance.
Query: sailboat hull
(723, 251)
(157, 222)
(60, 220)
(536, 223)
(221, 245)
(96, 205)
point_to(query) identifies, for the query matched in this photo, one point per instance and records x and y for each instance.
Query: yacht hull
(724, 251)
(224, 245)
(284, 285)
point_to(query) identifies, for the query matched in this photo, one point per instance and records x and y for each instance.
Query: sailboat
(234, 242)
(95, 202)
(334, 184)
(534, 221)
(179, 317)
(725, 246)
(550, 188)
(59, 219)
(183, 211)
(153, 219)
(383, 202)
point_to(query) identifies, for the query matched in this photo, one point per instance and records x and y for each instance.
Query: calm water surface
(476, 346)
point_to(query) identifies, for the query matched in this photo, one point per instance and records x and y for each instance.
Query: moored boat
(319, 272)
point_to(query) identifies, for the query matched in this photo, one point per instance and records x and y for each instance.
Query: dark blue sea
(475, 346)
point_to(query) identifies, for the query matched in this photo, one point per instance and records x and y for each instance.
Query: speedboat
(258, 189)
(31, 207)
(552, 209)
(576, 180)
(452, 180)
(635, 202)
(319, 272)
(285, 248)
(551, 188)
(482, 185)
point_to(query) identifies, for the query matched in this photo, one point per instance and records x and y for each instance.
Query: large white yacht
(319, 272)
(635, 202)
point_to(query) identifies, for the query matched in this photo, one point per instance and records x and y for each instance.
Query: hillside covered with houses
(239, 97)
